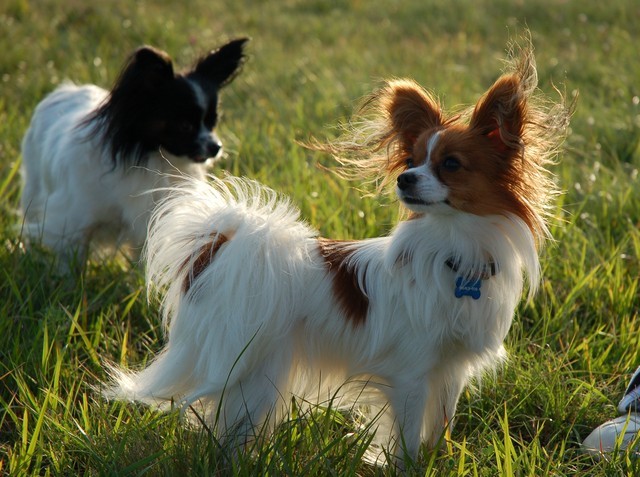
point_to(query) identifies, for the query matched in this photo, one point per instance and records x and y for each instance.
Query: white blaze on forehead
(431, 144)
(427, 190)
(201, 96)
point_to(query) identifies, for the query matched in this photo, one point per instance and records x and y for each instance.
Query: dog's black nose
(406, 180)
(214, 148)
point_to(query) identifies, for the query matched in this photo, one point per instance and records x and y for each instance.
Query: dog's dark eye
(451, 164)
(185, 127)
(409, 162)
(210, 118)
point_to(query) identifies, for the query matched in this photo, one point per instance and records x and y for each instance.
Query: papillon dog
(90, 156)
(258, 307)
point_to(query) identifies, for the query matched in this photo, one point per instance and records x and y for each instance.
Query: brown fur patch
(202, 260)
(412, 110)
(351, 297)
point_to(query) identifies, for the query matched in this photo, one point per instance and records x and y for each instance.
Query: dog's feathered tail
(210, 302)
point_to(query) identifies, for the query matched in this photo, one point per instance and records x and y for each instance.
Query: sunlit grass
(571, 348)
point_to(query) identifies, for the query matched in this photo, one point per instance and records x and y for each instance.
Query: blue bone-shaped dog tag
(468, 287)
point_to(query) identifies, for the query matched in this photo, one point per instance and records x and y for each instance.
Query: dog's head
(450, 165)
(153, 109)
(489, 159)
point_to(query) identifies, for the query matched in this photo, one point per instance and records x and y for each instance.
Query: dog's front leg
(408, 401)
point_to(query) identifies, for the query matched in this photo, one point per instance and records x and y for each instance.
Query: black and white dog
(90, 155)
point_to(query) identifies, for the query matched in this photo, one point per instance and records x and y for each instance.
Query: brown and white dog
(257, 307)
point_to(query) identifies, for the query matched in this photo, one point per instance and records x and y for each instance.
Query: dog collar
(469, 284)
(487, 271)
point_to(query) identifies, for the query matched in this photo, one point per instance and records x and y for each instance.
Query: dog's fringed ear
(500, 115)
(221, 65)
(148, 66)
(411, 110)
(147, 71)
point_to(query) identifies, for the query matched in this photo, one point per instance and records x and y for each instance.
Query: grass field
(571, 348)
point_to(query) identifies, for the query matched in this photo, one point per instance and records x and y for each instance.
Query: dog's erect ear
(220, 66)
(148, 66)
(500, 114)
(411, 110)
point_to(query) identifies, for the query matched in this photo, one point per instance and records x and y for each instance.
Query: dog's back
(54, 129)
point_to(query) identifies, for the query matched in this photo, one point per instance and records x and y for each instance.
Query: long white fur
(261, 321)
(73, 193)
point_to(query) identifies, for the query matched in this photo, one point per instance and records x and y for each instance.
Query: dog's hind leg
(254, 398)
